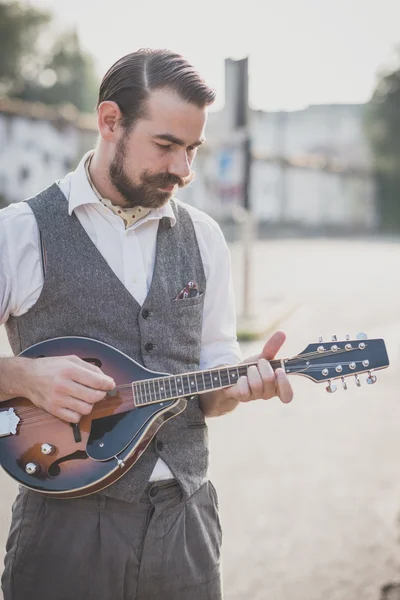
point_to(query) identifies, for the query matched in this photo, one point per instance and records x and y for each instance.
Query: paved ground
(310, 492)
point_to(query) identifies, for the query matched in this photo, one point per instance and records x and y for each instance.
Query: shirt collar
(81, 192)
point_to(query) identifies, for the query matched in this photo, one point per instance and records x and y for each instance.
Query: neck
(149, 391)
(98, 170)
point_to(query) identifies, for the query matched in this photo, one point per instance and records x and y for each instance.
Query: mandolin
(48, 455)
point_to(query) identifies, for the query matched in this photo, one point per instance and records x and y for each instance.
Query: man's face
(156, 156)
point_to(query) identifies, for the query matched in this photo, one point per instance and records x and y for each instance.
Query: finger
(96, 380)
(88, 366)
(284, 389)
(78, 406)
(268, 378)
(243, 393)
(255, 382)
(82, 392)
(273, 345)
(83, 363)
(69, 416)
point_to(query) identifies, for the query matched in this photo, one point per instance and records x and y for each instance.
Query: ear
(108, 120)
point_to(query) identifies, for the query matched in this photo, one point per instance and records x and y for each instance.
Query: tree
(61, 74)
(383, 130)
(19, 31)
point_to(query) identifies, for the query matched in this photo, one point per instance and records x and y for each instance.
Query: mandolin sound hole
(54, 469)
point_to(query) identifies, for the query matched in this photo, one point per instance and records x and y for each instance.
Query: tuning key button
(358, 382)
(32, 468)
(347, 337)
(331, 387)
(344, 384)
(334, 338)
(361, 336)
(320, 339)
(371, 378)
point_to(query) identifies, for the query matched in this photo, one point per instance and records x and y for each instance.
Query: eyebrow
(168, 137)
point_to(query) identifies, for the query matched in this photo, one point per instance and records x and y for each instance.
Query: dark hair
(133, 77)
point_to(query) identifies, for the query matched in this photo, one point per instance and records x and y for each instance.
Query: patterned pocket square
(189, 291)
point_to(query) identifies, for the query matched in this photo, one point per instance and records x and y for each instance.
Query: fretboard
(149, 391)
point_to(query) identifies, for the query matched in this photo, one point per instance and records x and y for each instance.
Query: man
(106, 254)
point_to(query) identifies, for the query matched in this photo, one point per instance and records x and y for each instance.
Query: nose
(180, 165)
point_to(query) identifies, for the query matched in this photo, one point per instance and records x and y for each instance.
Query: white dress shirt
(21, 276)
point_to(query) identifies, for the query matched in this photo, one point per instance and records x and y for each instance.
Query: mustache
(163, 180)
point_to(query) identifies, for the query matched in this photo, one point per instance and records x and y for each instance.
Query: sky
(301, 52)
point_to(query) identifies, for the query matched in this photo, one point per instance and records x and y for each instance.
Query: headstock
(326, 361)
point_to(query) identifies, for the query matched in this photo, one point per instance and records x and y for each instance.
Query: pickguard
(109, 436)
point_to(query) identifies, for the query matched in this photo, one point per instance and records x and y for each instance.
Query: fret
(157, 389)
(232, 376)
(136, 393)
(194, 386)
(204, 381)
(179, 386)
(147, 392)
(224, 376)
(208, 380)
(162, 387)
(214, 378)
(219, 375)
(152, 390)
(187, 383)
(172, 387)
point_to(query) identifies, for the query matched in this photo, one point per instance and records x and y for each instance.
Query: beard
(148, 192)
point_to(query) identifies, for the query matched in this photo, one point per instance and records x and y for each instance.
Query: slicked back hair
(130, 81)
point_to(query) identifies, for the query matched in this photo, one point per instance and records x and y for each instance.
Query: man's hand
(261, 381)
(66, 387)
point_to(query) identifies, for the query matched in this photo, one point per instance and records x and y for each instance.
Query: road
(310, 492)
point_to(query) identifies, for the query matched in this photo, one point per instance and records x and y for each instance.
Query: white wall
(34, 153)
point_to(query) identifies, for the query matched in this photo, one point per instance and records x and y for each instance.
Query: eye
(165, 147)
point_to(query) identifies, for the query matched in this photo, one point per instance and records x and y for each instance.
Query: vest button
(145, 313)
(159, 445)
(149, 346)
(154, 491)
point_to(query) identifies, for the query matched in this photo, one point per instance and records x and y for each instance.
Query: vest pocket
(188, 302)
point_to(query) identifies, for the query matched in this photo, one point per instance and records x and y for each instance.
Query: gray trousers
(96, 548)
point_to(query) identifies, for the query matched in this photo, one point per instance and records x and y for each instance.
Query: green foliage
(61, 74)
(383, 129)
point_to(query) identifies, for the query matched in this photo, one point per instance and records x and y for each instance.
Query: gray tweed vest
(82, 296)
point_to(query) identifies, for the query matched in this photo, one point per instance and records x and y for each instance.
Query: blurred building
(311, 168)
(39, 144)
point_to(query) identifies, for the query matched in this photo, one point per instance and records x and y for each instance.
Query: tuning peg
(320, 339)
(334, 338)
(347, 337)
(371, 378)
(344, 384)
(361, 336)
(358, 382)
(331, 387)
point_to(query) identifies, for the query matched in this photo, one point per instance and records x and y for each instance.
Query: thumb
(271, 347)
